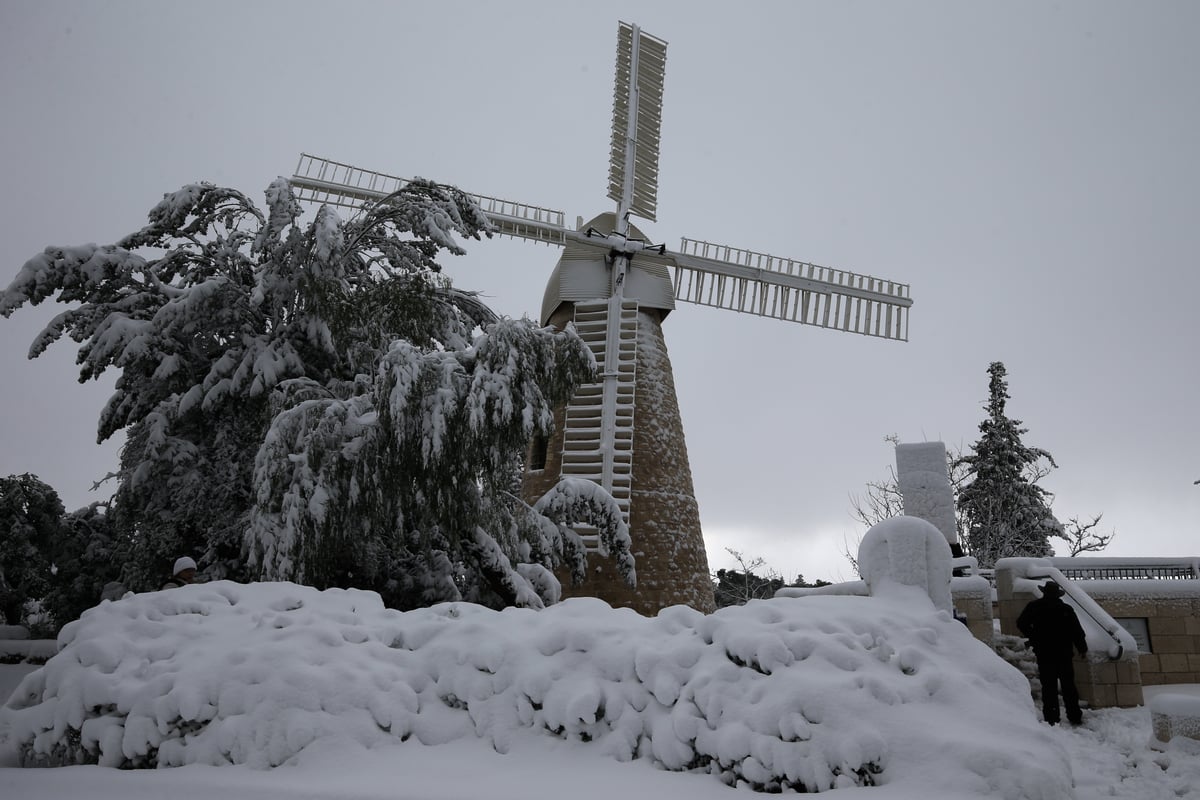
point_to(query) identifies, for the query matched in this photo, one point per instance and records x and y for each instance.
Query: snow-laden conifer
(30, 514)
(1004, 512)
(315, 401)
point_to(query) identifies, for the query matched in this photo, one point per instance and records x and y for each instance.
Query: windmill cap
(182, 563)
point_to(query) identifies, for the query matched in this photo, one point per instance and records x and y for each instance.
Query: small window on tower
(537, 452)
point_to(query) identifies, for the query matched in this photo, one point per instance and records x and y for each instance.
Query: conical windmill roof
(583, 274)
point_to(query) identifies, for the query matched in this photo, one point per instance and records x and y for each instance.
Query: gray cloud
(1029, 169)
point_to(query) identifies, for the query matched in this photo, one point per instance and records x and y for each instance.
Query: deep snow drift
(814, 693)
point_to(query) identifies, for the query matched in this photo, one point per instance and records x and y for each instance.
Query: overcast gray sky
(1030, 168)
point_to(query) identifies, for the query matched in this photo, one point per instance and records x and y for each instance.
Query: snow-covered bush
(808, 694)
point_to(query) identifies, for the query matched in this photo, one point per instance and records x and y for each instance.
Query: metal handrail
(1101, 568)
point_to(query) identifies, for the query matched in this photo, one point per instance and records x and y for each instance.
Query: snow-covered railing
(1104, 634)
(1128, 568)
(965, 565)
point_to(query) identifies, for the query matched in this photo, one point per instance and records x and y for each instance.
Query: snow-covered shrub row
(809, 694)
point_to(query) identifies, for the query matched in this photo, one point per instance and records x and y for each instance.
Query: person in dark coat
(183, 573)
(1053, 630)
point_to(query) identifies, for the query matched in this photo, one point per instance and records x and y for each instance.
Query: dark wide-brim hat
(1051, 589)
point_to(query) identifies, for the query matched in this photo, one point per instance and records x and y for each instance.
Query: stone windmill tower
(625, 432)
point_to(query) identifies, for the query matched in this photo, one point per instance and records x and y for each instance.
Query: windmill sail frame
(617, 288)
(322, 180)
(637, 121)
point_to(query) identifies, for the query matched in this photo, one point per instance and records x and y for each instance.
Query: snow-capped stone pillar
(924, 483)
(907, 551)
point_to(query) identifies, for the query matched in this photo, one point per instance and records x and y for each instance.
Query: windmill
(624, 432)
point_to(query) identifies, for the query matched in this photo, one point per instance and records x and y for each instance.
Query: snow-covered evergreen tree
(316, 402)
(1004, 512)
(30, 514)
(85, 563)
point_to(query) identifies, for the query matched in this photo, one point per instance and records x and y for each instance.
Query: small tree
(1082, 537)
(881, 500)
(30, 513)
(1005, 512)
(735, 587)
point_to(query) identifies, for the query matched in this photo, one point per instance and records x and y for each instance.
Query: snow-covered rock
(814, 693)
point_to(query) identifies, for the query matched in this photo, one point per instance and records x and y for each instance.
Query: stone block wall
(1172, 621)
(973, 599)
(1107, 684)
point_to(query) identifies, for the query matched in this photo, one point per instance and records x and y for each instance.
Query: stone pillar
(924, 483)
(973, 600)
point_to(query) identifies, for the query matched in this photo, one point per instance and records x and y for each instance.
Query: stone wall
(1108, 684)
(664, 517)
(973, 600)
(1171, 609)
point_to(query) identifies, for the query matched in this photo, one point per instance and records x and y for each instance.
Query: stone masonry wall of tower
(672, 564)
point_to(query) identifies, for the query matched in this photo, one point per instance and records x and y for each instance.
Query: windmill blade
(633, 158)
(780, 288)
(320, 180)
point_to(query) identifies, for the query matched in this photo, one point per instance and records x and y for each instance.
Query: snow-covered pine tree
(1004, 512)
(84, 564)
(30, 515)
(313, 403)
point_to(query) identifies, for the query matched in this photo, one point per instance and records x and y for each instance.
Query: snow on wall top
(1189, 562)
(828, 692)
(1134, 589)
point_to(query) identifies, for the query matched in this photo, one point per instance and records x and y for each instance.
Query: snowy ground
(1109, 758)
(907, 682)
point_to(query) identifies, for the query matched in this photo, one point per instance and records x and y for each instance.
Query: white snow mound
(907, 551)
(808, 694)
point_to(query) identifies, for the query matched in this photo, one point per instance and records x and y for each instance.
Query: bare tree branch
(1083, 538)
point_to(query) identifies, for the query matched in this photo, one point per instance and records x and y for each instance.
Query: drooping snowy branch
(579, 501)
(420, 458)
